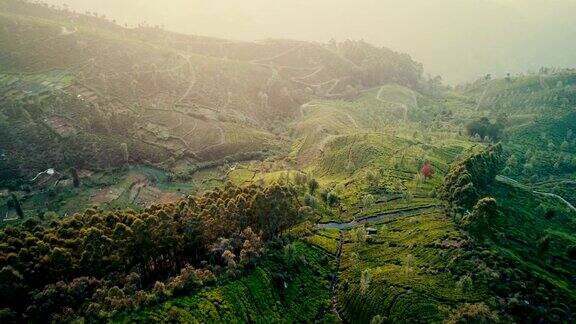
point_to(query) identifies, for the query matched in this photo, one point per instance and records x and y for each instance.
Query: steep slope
(176, 96)
(537, 115)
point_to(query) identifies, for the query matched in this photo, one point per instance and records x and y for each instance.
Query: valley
(149, 176)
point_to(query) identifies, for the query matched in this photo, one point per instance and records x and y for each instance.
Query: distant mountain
(457, 39)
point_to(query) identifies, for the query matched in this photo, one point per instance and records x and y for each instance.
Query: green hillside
(150, 176)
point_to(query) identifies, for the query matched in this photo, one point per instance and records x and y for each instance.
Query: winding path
(334, 299)
(220, 142)
(192, 80)
(479, 103)
(543, 82)
(513, 182)
(352, 120)
(403, 106)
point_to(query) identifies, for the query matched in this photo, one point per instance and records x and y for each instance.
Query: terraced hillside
(415, 269)
(272, 292)
(187, 99)
(273, 181)
(538, 114)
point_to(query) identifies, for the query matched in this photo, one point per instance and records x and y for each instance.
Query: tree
(75, 177)
(11, 286)
(252, 246)
(483, 128)
(472, 313)
(483, 215)
(544, 244)
(365, 279)
(229, 258)
(310, 200)
(60, 260)
(571, 252)
(313, 185)
(300, 179)
(378, 320)
(359, 234)
(125, 153)
(291, 255)
(332, 199)
(470, 176)
(427, 171)
(465, 283)
(368, 201)
(17, 206)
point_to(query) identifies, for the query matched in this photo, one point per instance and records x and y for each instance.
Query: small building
(371, 231)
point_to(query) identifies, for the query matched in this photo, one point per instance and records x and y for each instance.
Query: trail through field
(344, 58)
(192, 80)
(316, 71)
(325, 141)
(65, 31)
(334, 299)
(352, 120)
(378, 217)
(513, 182)
(257, 61)
(543, 83)
(304, 106)
(557, 182)
(479, 103)
(180, 122)
(192, 130)
(220, 142)
(403, 106)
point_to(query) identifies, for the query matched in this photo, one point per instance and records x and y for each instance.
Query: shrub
(313, 186)
(468, 177)
(378, 320)
(17, 206)
(483, 215)
(472, 313)
(332, 199)
(310, 201)
(483, 128)
(544, 244)
(368, 201)
(75, 177)
(571, 252)
(427, 171)
(300, 179)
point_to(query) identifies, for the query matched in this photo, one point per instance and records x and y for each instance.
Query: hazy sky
(459, 39)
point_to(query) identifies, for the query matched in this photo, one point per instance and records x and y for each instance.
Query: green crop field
(150, 176)
(415, 267)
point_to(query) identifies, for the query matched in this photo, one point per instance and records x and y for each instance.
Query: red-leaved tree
(427, 170)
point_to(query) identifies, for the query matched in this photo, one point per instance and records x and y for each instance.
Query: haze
(458, 39)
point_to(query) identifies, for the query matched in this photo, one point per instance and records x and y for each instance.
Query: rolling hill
(150, 176)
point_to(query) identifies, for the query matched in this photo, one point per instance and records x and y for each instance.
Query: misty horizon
(287, 161)
(458, 40)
